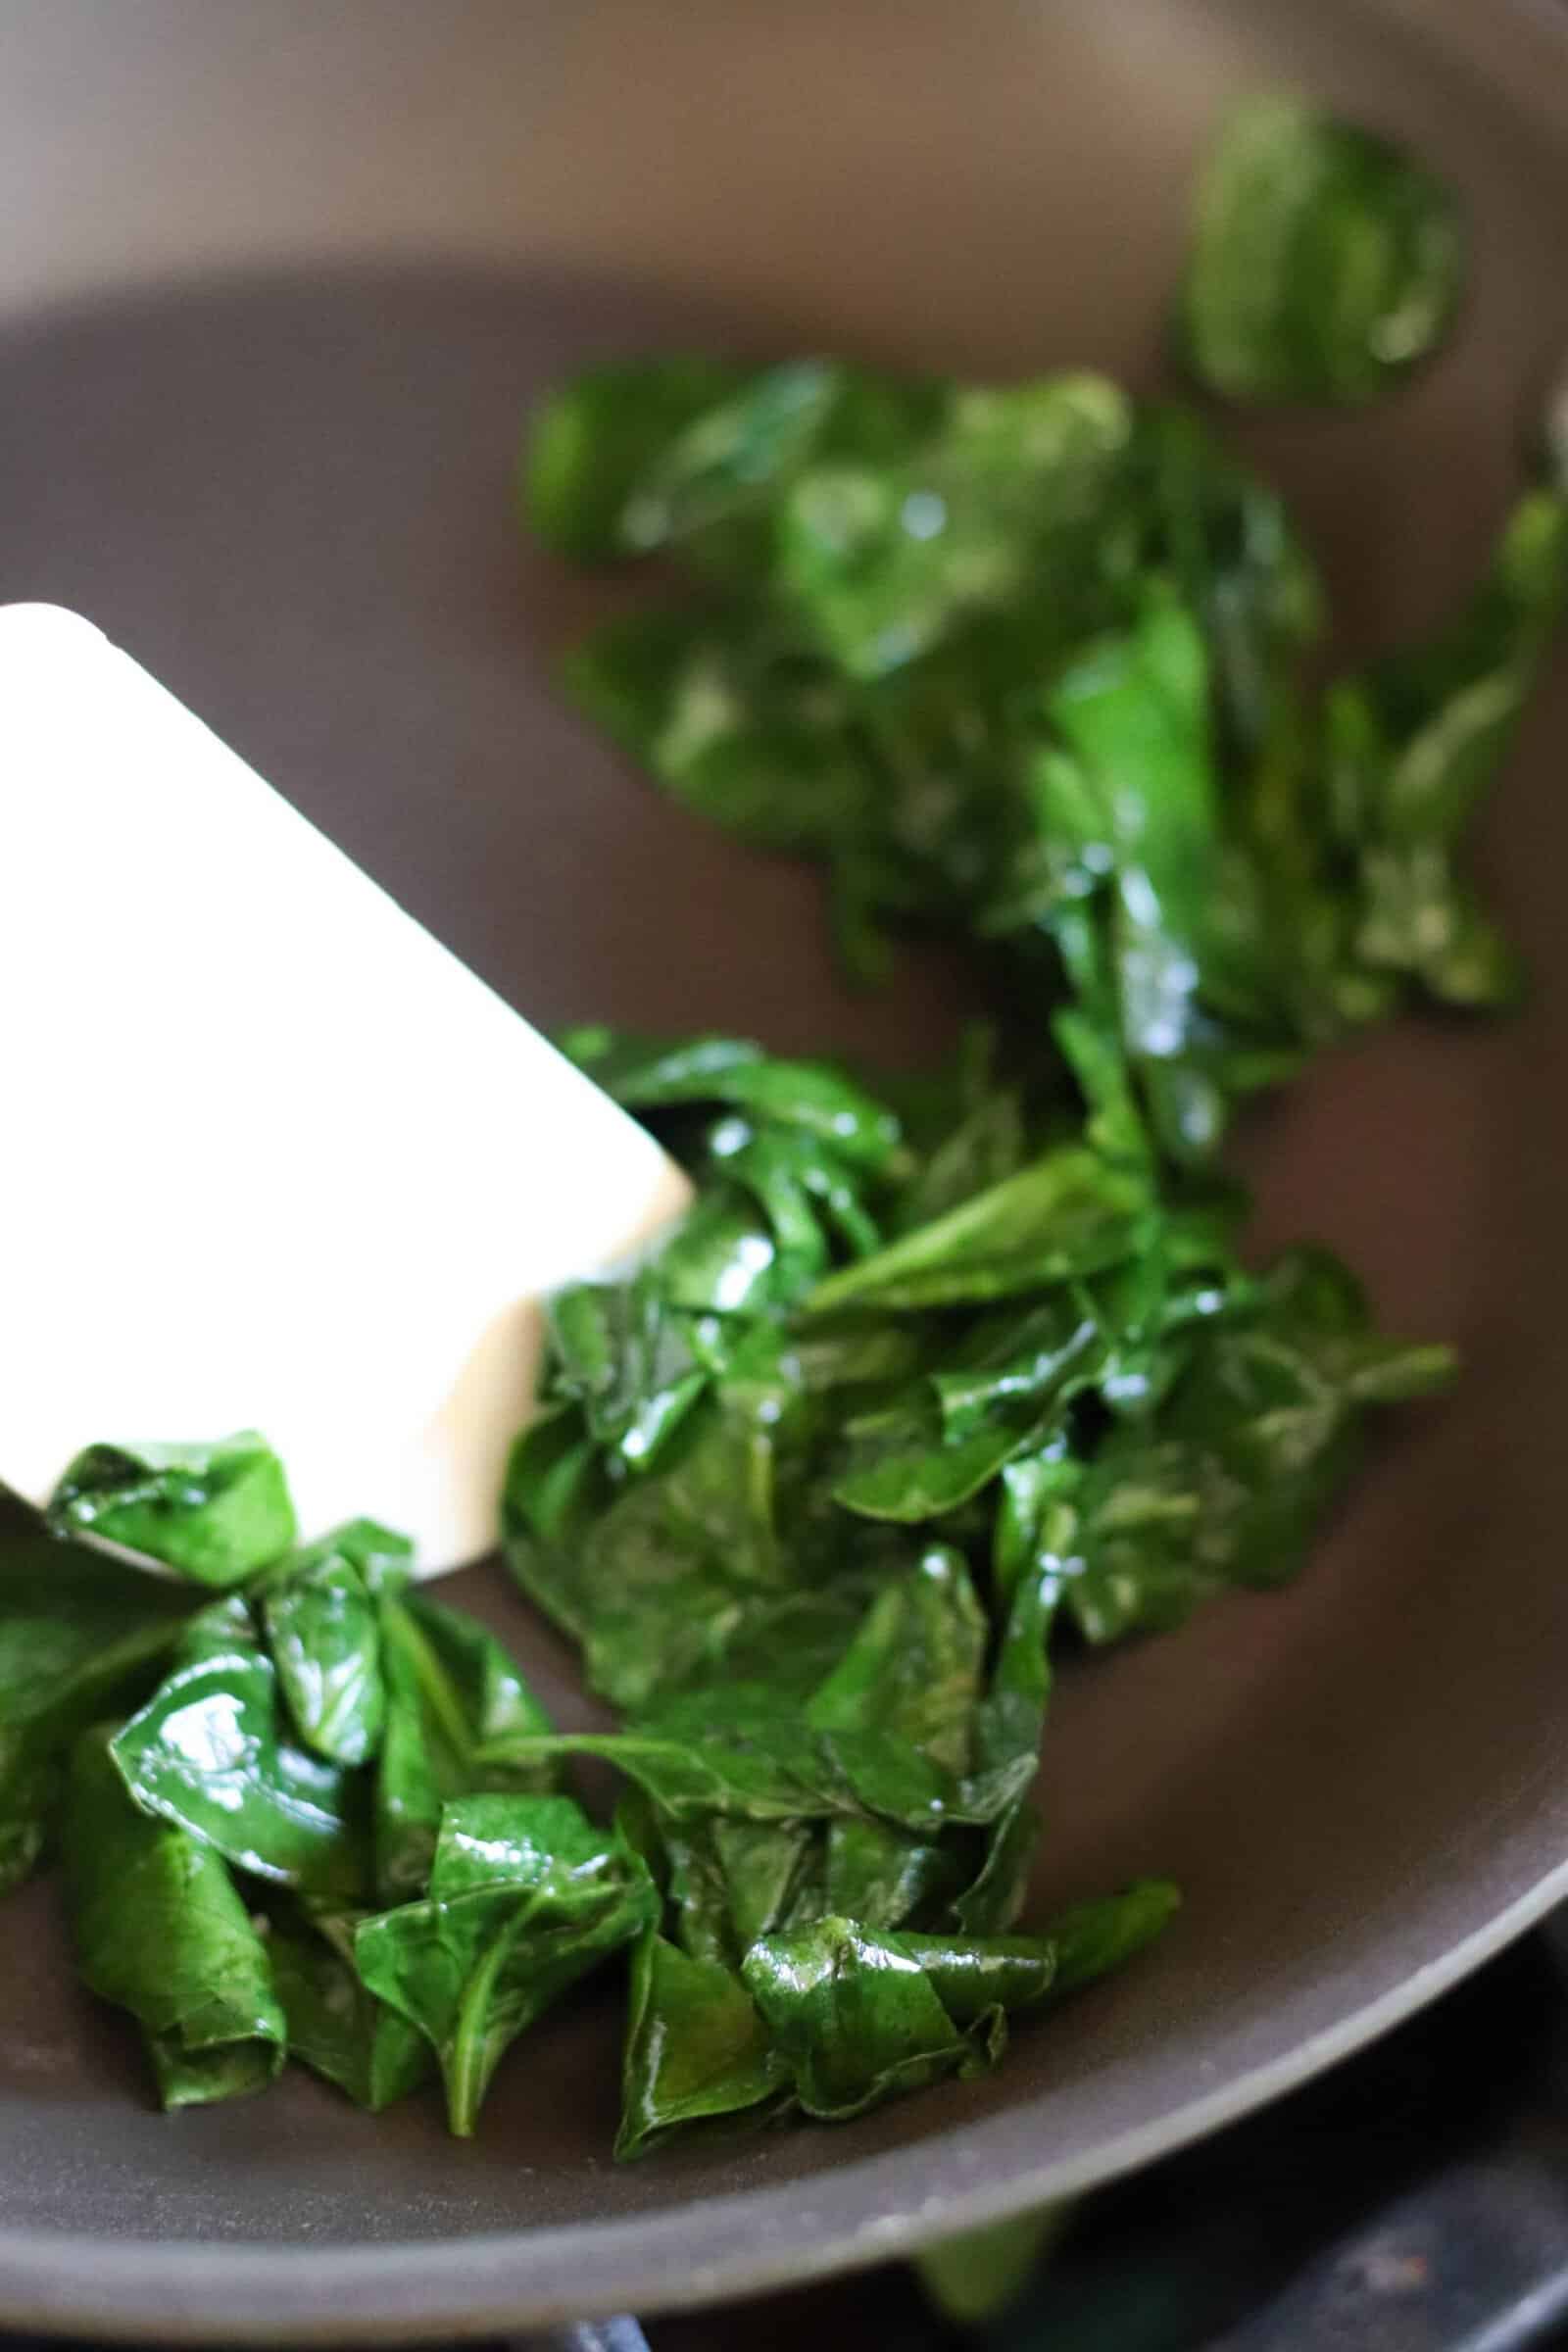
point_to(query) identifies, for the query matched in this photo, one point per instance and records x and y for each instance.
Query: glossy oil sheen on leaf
(325, 1641)
(695, 2048)
(811, 1097)
(855, 2017)
(451, 1687)
(1037, 667)
(212, 1512)
(212, 1751)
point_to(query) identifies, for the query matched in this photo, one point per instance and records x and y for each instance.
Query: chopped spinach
(938, 1376)
(934, 1379)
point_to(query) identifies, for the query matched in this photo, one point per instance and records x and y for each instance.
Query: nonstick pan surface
(278, 283)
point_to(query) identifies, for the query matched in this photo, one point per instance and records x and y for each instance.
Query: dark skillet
(286, 492)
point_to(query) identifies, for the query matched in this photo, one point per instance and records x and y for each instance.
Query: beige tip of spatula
(274, 1158)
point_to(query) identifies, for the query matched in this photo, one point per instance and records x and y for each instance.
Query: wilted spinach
(80, 1635)
(336, 2026)
(322, 1630)
(938, 1374)
(451, 1687)
(161, 1930)
(932, 1379)
(213, 1512)
(525, 1896)
(212, 1751)
(696, 2047)
(1326, 262)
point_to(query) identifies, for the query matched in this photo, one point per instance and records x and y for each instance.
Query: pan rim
(192, 2291)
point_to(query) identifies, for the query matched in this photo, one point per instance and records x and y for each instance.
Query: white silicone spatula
(274, 1159)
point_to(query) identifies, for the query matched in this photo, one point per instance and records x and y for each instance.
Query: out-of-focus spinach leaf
(590, 444)
(160, 1930)
(883, 564)
(987, 1144)
(81, 1635)
(30, 1789)
(731, 457)
(1413, 743)
(383, 1557)
(685, 454)
(628, 1362)
(978, 2276)
(213, 1512)
(1326, 262)
(744, 732)
(1068, 1214)
(722, 1259)
(810, 1095)
(1229, 544)
(1180, 961)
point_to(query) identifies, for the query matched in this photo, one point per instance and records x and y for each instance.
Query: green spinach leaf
(1066, 1215)
(1413, 743)
(335, 2025)
(590, 444)
(1092, 1939)
(695, 2049)
(324, 1637)
(211, 1751)
(525, 1897)
(82, 1633)
(811, 1097)
(160, 1930)
(213, 1512)
(451, 1689)
(1325, 263)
